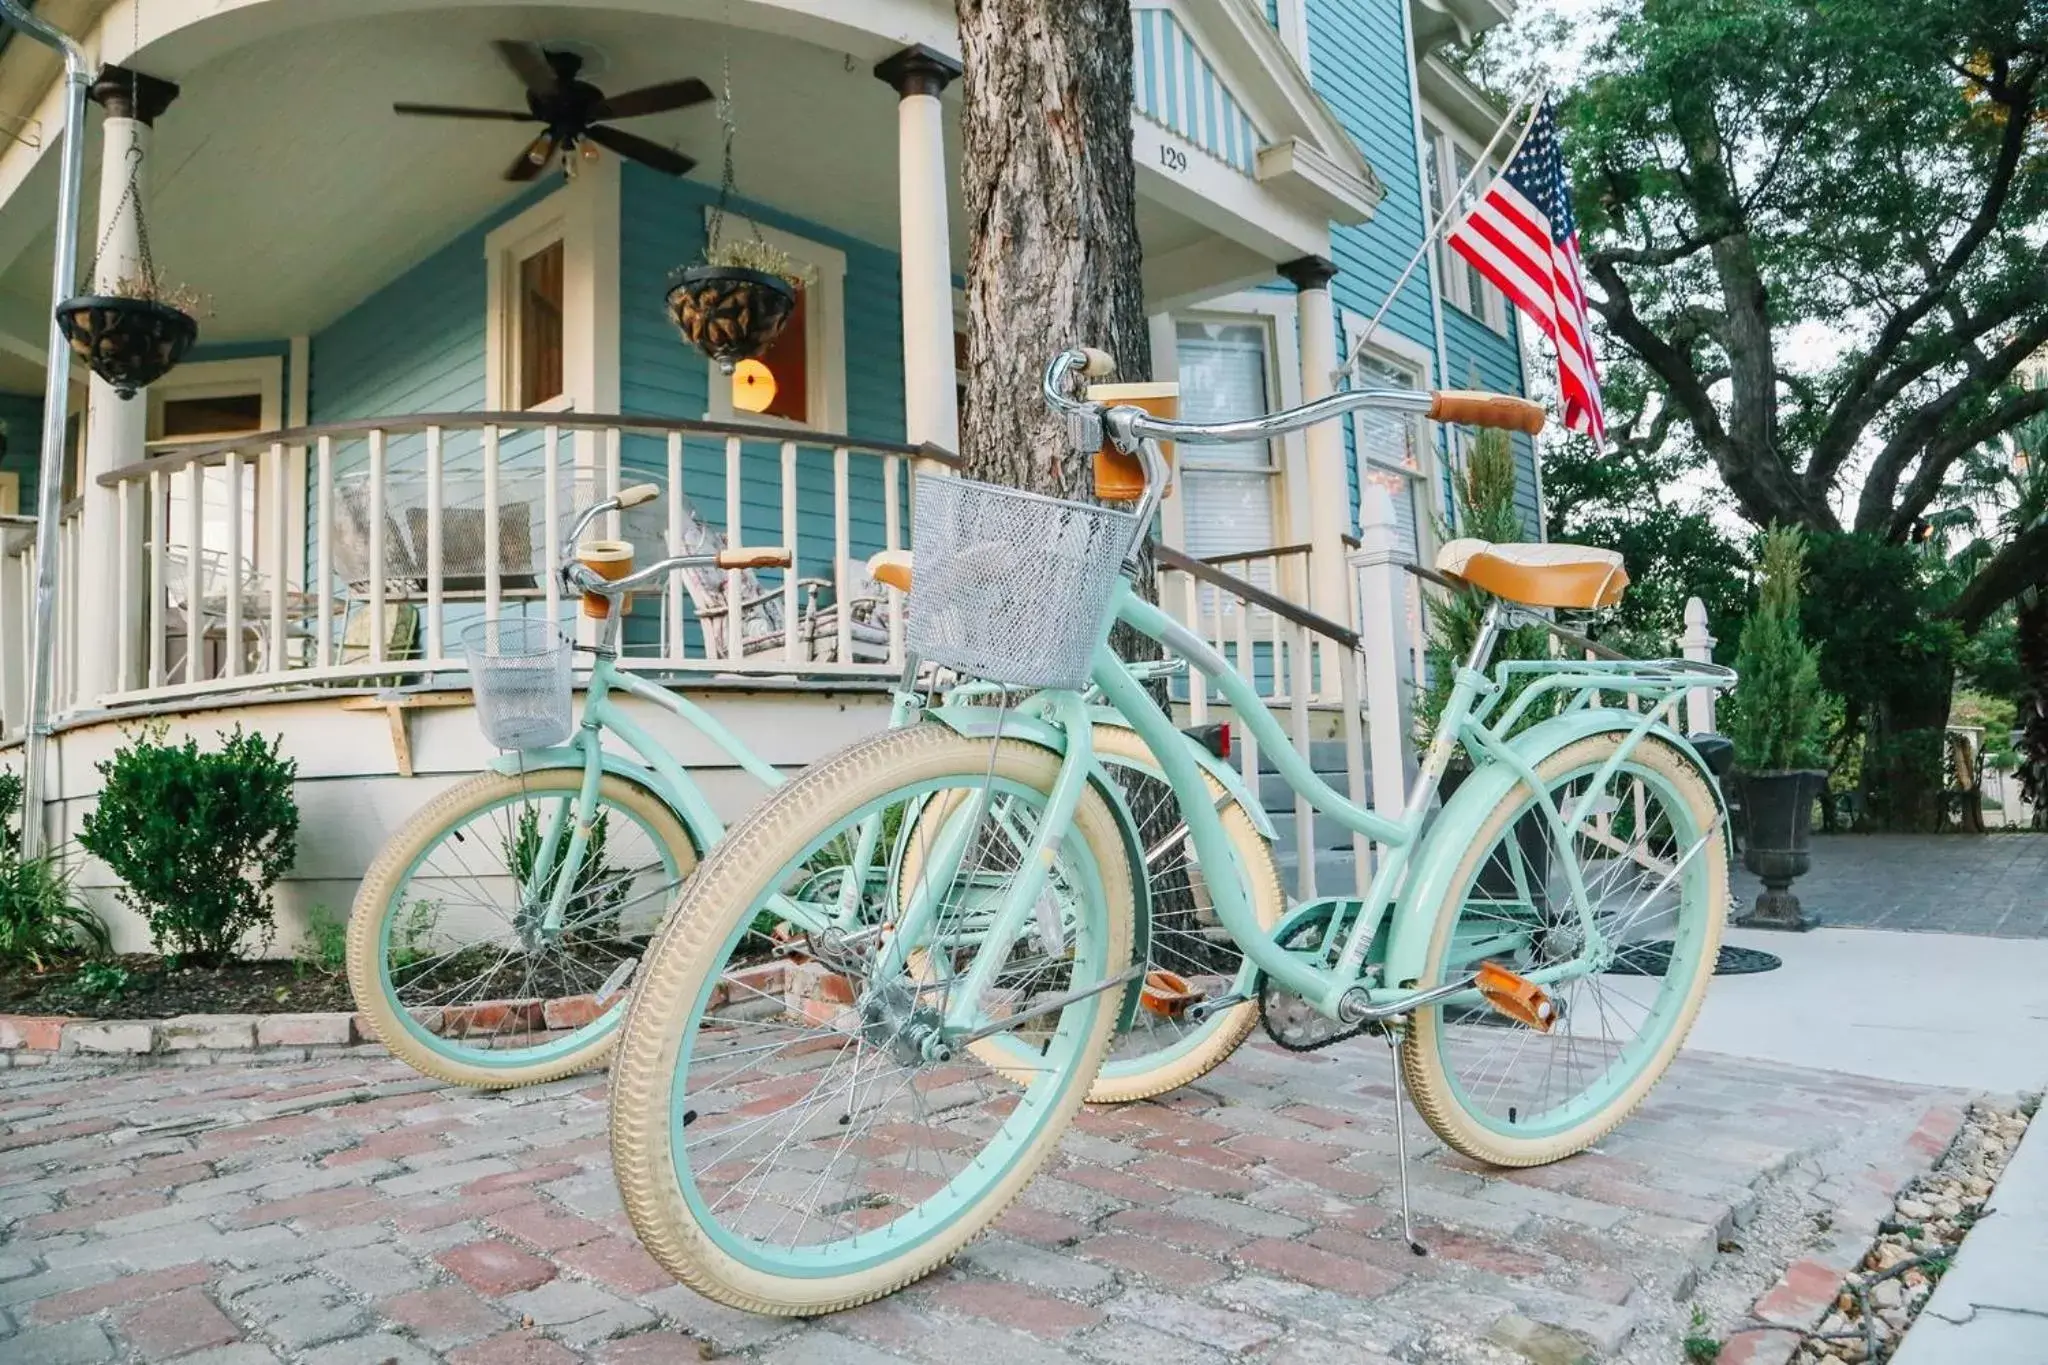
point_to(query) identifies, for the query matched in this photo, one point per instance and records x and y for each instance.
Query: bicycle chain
(1301, 1027)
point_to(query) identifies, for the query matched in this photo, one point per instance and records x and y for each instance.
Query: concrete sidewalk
(1992, 1307)
(1929, 1009)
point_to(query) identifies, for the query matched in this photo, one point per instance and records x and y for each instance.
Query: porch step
(1328, 833)
(1335, 872)
(1278, 798)
(1324, 755)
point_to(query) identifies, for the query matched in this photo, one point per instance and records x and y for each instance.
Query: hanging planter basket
(730, 313)
(131, 343)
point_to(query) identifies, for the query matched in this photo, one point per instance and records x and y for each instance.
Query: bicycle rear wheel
(449, 956)
(1648, 846)
(788, 1135)
(1190, 956)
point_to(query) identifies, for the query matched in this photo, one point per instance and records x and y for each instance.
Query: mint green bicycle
(495, 940)
(1538, 948)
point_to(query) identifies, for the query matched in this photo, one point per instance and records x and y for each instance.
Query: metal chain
(131, 194)
(728, 180)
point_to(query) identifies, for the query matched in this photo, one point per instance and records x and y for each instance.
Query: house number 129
(1173, 158)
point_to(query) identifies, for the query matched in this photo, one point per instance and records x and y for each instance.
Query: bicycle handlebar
(1129, 427)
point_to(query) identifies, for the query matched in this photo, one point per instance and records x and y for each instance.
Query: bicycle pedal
(1200, 1010)
(1168, 994)
(1517, 997)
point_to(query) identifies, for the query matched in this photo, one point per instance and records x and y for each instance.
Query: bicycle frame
(1414, 860)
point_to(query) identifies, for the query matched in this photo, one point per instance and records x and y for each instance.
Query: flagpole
(1452, 207)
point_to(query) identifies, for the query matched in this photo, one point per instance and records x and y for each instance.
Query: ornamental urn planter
(730, 313)
(131, 343)
(1777, 820)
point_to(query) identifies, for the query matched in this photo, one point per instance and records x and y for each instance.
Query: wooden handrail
(1248, 556)
(1570, 637)
(1171, 558)
(177, 456)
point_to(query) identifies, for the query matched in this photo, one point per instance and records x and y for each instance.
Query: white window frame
(824, 335)
(264, 376)
(1442, 142)
(583, 215)
(1276, 311)
(1395, 349)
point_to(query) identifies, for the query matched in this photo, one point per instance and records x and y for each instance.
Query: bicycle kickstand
(1401, 1139)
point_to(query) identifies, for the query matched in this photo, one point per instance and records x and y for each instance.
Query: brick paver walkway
(346, 1212)
(1944, 883)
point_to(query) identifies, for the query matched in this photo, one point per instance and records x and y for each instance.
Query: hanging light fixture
(753, 386)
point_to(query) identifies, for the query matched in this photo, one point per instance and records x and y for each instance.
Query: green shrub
(10, 812)
(199, 838)
(325, 947)
(1778, 716)
(101, 981)
(1485, 494)
(42, 918)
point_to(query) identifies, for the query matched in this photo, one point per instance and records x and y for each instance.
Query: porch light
(753, 386)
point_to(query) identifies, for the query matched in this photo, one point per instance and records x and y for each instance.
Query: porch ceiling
(286, 190)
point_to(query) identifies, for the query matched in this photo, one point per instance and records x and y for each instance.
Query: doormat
(1653, 958)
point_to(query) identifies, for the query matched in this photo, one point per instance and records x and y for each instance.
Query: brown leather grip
(759, 557)
(1475, 408)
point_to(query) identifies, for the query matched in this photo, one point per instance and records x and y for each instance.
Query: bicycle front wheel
(1646, 841)
(452, 957)
(788, 1133)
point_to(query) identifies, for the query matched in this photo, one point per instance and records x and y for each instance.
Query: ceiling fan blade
(461, 111)
(654, 99)
(641, 150)
(525, 167)
(528, 63)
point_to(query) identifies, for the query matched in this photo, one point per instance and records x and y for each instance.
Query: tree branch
(1864, 395)
(1942, 453)
(2020, 564)
(1876, 512)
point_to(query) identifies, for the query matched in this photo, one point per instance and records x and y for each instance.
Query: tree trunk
(1051, 199)
(2031, 632)
(1902, 757)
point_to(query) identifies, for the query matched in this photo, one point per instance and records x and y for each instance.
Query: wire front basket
(519, 669)
(1010, 586)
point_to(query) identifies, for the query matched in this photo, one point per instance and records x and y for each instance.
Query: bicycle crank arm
(1052, 1006)
(1357, 1008)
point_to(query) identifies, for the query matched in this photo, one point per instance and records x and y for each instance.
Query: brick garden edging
(1807, 1289)
(35, 1039)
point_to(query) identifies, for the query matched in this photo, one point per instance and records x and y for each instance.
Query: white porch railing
(356, 552)
(17, 608)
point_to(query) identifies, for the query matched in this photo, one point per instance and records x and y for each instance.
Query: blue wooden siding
(1175, 86)
(1358, 51)
(663, 228)
(23, 415)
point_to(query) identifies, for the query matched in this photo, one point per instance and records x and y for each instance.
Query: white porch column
(1329, 497)
(931, 409)
(116, 429)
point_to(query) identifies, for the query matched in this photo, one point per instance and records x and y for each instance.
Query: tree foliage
(1814, 235)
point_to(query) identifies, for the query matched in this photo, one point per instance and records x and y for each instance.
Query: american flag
(1522, 236)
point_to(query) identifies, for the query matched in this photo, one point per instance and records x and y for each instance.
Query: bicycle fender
(1457, 825)
(987, 722)
(691, 808)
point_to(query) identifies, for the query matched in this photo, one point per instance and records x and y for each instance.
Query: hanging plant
(132, 334)
(735, 303)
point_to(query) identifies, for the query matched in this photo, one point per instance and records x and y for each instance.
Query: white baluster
(789, 575)
(892, 530)
(1382, 621)
(1304, 813)
(842, 546)
(1698, 644)
(437, 643)
(323, 587)
(676, 588)
(735, 536)
(279, 511)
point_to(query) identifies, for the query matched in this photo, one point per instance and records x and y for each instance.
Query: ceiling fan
(572, 111)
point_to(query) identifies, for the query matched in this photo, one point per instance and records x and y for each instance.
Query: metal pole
(56, 399)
